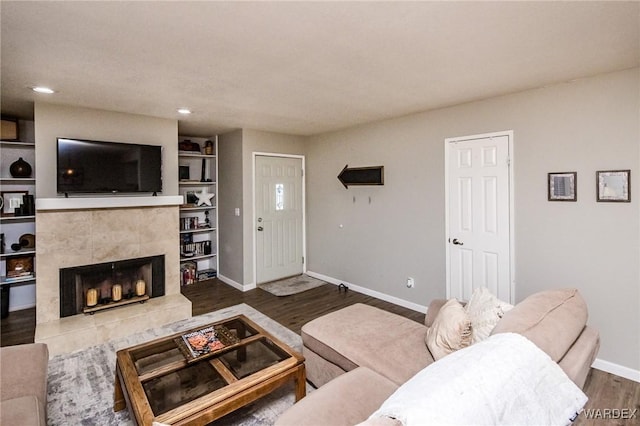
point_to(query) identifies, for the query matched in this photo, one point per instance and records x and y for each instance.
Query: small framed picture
(191, 197)
(562, 186)
(613, 186)
(183, 172)
(11, 200)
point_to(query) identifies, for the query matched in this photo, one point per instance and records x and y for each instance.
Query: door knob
(457, 243)
(260, 228)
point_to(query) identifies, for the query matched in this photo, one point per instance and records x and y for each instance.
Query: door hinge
(303, 260)
(302, 171)
(508, 161)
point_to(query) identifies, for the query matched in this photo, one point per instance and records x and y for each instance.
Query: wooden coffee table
(158, 382)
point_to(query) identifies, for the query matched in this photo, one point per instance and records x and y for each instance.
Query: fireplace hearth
(91, 288)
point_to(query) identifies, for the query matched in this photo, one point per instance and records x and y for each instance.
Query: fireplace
(92, 288)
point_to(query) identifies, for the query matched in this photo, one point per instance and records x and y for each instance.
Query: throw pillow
(450, 331)
(484, 310)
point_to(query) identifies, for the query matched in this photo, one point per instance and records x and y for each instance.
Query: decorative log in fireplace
(91, 288)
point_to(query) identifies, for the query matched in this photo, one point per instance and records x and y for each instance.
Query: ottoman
(364, 336)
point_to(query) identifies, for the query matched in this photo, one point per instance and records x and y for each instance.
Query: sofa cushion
(346, 400)
(450, 331)
(23, 371)
(357, 336)
(485, 310)
(432, 311)
(23, 411)
(551, 319)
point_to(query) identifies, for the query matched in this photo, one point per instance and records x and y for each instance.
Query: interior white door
(279, 215)
(478, 239)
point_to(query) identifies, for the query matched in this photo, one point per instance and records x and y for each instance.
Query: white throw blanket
(503, 380)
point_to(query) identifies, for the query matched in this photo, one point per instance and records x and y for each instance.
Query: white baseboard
(369, 292)
(21, 307)
(235, 284)
(617, 369)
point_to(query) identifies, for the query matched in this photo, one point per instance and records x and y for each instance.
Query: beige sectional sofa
(358, 356)
(23, 384)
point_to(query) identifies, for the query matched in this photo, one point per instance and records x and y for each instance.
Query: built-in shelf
(197, 209)
(16, 219)
(201, 256)
(198, 222)
(23, 287)
(17, 181)
(18, 253)
(186, 154)
(80, 203)
(195, 183)
(197, 230)
(23, 280)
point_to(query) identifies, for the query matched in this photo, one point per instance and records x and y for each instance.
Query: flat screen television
(86, 166)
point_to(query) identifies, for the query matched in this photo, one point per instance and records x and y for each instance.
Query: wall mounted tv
(90, 167)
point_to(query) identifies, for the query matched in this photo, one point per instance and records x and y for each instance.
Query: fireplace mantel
(85, 203)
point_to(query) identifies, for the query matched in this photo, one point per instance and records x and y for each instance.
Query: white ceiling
(301, 67)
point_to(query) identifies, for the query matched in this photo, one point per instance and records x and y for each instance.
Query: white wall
(586, 125)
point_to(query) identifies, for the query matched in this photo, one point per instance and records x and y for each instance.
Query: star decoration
(204, 198)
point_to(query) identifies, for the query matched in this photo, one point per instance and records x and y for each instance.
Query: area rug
(293, 285)
(80, 387)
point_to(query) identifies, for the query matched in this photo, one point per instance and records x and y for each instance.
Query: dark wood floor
(605, 391)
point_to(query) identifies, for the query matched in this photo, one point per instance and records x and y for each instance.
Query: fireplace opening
(91, 288)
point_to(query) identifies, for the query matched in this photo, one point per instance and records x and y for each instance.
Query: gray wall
(230, 197)
(53, 121)
(585, 125)
(236, 190)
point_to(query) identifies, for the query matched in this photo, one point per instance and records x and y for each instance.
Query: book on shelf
(198, 248)
(206, 274)
(188, 273)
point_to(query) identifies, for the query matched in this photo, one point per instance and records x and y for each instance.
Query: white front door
(279, 217)
(478, 217)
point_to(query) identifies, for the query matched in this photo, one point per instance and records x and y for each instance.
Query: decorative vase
(141, 287)
(27, 241)
(208, 148)
(92, 297)
(20, 169)
(116, 292)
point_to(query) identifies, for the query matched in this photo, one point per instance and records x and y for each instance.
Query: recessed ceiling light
(42, 89)
(184, 110)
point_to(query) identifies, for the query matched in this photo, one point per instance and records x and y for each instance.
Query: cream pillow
(450, 331)
(484, 310)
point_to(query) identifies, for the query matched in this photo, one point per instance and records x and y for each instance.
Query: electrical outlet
(410, 282)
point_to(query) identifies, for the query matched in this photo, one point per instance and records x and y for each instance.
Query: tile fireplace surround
(79, 236)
